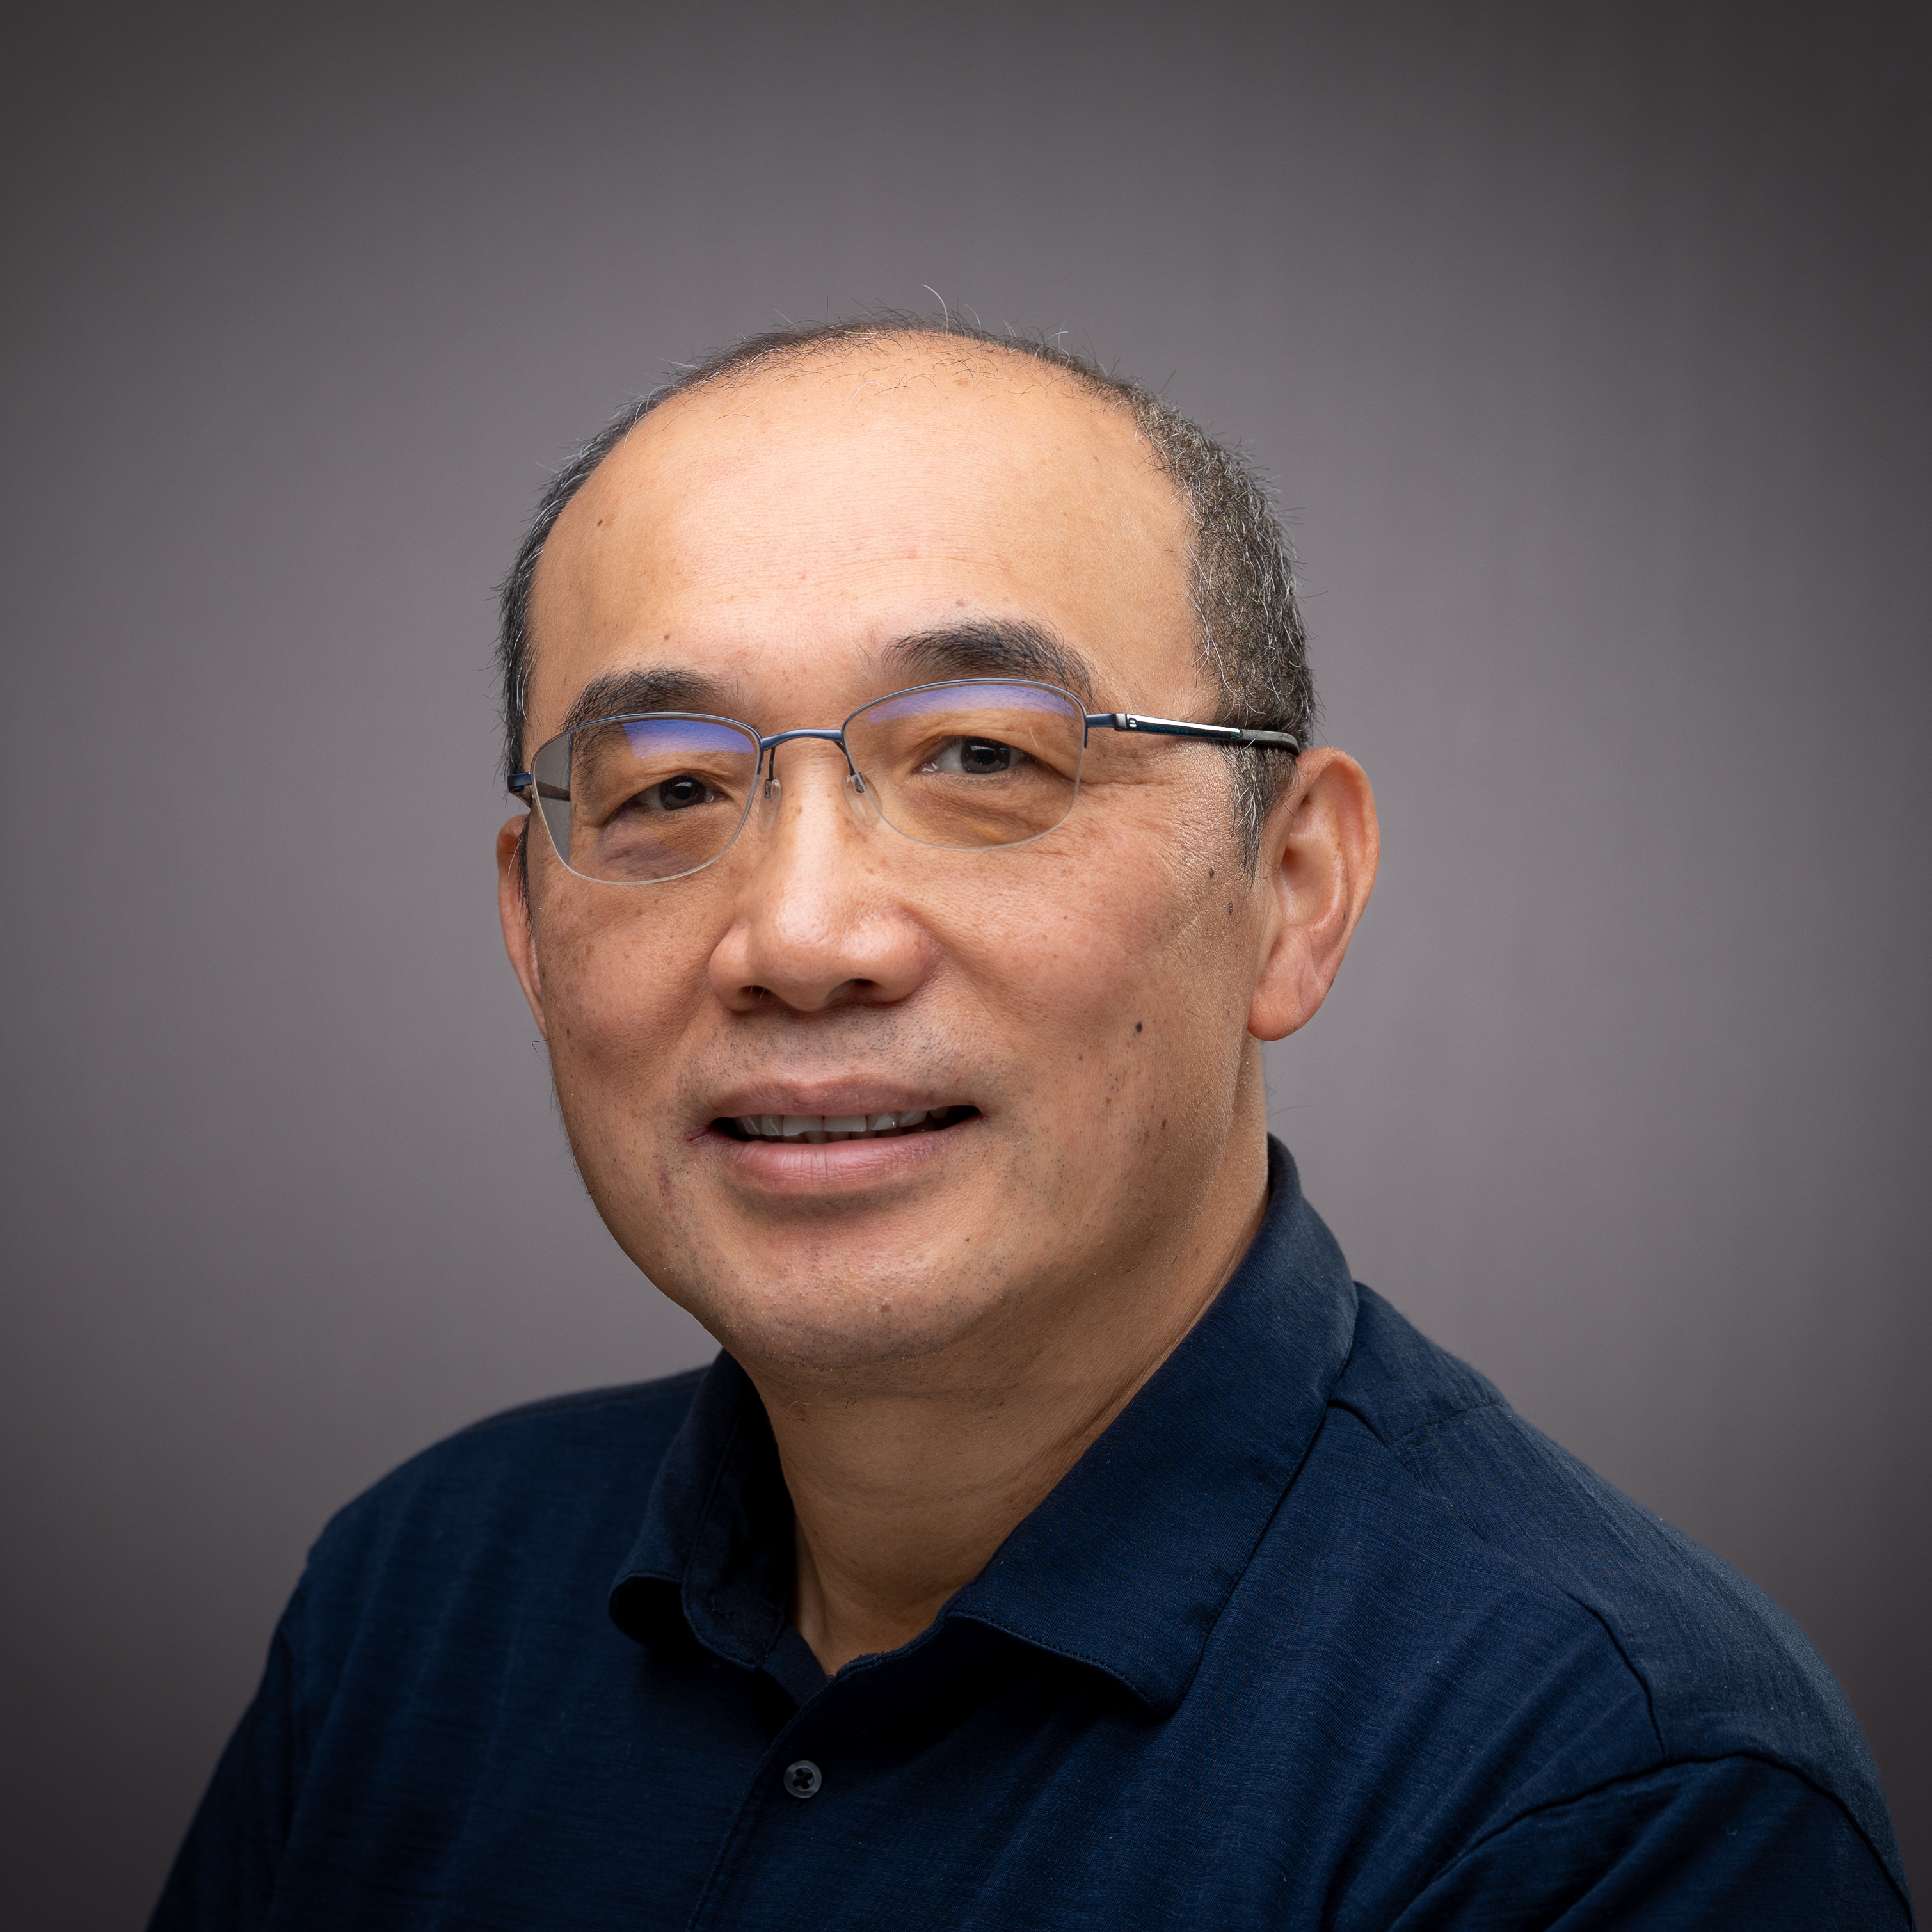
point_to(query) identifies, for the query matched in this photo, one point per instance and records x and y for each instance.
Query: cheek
(620, 988)
(1117, 968)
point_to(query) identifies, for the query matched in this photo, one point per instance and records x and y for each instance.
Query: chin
(814, 1322)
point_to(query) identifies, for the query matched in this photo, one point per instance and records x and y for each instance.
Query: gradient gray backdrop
(1588, 345)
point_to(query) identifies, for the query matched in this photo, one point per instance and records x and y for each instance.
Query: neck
(903, 1488)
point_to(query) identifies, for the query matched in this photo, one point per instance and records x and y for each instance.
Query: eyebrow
(617, 693)
(981, 647)
(993, 647)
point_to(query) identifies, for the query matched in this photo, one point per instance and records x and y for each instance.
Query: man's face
(1077, 1006)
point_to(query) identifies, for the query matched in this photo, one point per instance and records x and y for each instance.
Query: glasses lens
(974, 764)
(631, 799)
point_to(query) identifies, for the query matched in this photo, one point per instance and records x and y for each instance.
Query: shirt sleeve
(1727, 1843)
(223, 1878)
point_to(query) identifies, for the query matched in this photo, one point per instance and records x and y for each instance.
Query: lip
(802, 1169)
(830, 1096)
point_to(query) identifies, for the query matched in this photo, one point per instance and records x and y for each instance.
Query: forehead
(777, 530)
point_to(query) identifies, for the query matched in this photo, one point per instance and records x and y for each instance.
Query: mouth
(816, 1129)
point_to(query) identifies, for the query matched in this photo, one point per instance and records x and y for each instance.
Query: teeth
(816, 1129)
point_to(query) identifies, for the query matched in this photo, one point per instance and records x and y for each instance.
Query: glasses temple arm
(526, 787)
(1174, 727)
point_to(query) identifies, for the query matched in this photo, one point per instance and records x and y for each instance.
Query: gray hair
(1252, 642)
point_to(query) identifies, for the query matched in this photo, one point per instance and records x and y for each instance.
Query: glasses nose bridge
(768, 748)
(770, 789)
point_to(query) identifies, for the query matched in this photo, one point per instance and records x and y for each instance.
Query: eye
(677, 794)
(975, 757)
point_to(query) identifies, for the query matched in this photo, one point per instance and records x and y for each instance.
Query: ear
(513, 908)
(1316, 868)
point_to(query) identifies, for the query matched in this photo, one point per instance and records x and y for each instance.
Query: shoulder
(595, 1436)
(1725, 1668)
(551, 1486)
(1723, 1841)
(1723, 1672)
(588, 1426)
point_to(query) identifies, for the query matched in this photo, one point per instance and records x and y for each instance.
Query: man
(924, 835)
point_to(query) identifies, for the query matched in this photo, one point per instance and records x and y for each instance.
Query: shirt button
(803, 1779)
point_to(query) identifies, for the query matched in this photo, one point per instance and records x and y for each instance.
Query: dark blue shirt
(1318, 1634)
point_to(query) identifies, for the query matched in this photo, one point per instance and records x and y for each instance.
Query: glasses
(655, 795)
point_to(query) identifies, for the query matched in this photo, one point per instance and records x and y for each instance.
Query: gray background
(1588, 344)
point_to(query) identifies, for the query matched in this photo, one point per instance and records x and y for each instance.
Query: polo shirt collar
(1127, 1563)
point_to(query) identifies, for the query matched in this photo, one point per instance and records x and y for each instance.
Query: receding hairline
(789, 361)
(793, 361)
(972, 356)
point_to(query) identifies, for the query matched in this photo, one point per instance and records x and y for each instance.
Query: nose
(821, 920)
